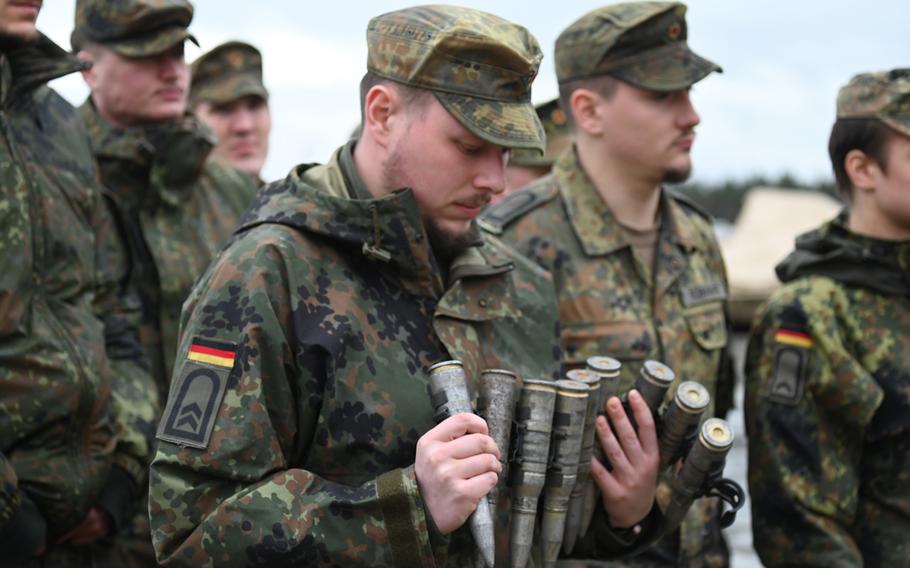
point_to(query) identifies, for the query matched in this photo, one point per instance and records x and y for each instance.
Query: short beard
(447, 246)
(677, 175)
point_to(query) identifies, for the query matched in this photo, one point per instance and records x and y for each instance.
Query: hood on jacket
(855, 260)
(330, 201)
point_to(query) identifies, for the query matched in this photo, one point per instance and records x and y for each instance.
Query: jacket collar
(332, 201)
(151, 164)
(594, 223)
(24, 69)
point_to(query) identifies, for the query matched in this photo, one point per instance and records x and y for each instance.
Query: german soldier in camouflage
(228, 96)
(828, 366)
(174, 209)
(299, 429)
(72, 455)
(637, 268)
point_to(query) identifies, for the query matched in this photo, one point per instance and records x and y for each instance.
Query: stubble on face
(677, 175)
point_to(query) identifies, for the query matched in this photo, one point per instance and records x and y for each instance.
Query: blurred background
(760, 156)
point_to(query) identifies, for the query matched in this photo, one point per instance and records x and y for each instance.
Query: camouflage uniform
(69, 360)
(609, 304)
(173, 210)
(828, 388)
(301, 391)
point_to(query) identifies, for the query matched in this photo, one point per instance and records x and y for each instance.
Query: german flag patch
(794, 338)
(212, 352)
(791, 364)
(192, 407)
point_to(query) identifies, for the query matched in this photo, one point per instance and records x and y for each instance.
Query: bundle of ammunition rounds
(548, 429)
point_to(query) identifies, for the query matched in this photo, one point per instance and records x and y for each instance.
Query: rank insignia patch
(189, 417)
(791, 355)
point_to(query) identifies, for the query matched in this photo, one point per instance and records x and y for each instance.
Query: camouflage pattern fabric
(319, 380)
(609, 305)
(884, 96)
(827, 405)
(175, 210)
(132, 28)
(479, 66)
(69, 356)
(641, 43)
(556, 127)
(228, 72)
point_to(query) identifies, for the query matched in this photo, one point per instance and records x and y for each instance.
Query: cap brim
(899, 123)
(229, 90)
(153, 44)
(506, 124)
(669, 68)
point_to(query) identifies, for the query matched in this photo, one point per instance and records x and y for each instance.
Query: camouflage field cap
(226, 73)
(479, 66)
(641, 43)
(884, 95)
(133, 28)
(557, 128)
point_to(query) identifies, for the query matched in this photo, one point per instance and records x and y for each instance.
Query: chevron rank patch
(191, 410)
(791, 355)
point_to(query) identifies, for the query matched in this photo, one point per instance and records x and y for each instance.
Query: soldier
(73, 455)
(828, 365)
(637, 268)
(228, 96)
(299, 429)
(174, 209)
(526, 166)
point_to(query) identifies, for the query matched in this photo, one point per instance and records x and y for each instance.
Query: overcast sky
(769, 112)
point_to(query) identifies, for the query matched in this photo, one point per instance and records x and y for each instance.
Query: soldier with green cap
(72, 455)
(828, 365)
(174, 209)
(299, 428)
(526, 166)
(228, 96)
(637, 268)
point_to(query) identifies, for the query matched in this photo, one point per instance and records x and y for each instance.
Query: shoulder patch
(791, 363)
(689, 203)
(498, 217)
(189, 416)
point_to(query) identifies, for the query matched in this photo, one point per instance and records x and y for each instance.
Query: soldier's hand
(457, 463)
(95, 526)
(628, 490)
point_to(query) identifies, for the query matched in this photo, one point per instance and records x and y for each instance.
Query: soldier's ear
(863, 171)
(381, 110)
(87, 74)
(585, 111)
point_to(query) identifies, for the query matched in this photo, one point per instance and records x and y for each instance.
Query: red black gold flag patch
(794, 338)
(792, 350)
(212, 352)
(199, 386)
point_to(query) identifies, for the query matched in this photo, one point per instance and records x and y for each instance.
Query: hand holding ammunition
(457, 464)
(627, 491)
